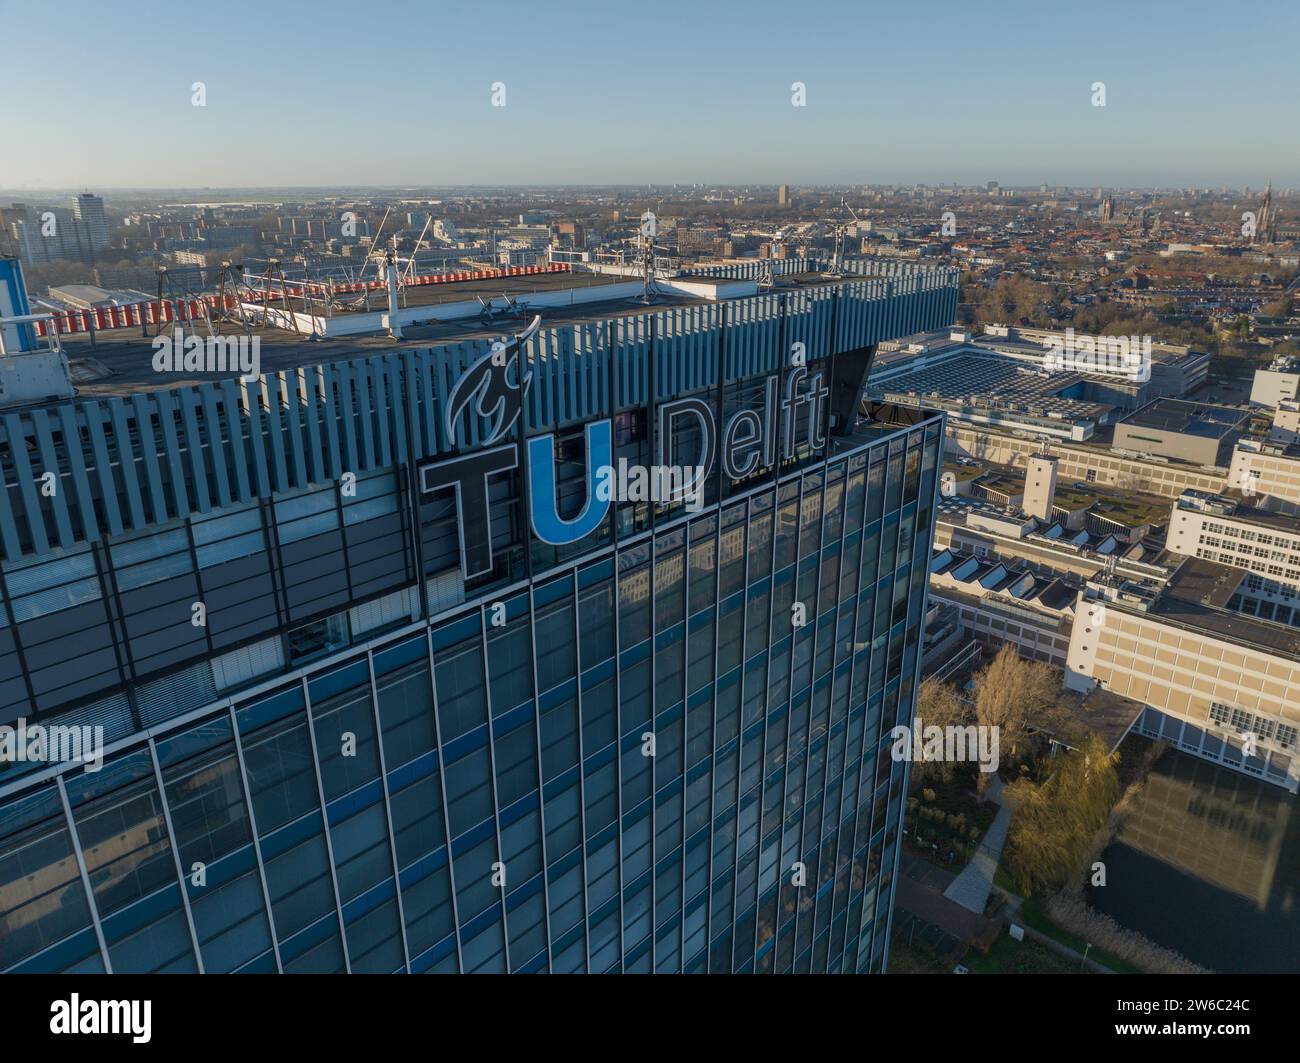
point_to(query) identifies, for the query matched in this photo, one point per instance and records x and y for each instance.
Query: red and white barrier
(152, 312)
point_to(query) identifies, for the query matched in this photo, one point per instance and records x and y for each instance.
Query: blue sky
(391, 93)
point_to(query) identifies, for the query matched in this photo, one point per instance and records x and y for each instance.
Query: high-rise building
(44, 234)
(88, 212)
(396, 670)
(783, 196)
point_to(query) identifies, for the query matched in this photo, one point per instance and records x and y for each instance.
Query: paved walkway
(971, 887)
(950, 923)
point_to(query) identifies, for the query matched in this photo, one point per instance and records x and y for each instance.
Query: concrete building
(1268, 473)
(1087, 463)
(1040, 487)
(1267, 545)
(88, 210)
(1286, 422)
(1280, 381)
(1047, 550)
(1015, 380)
(1214, 682)
(1195, 432)
(1000, 603)
(46, 234)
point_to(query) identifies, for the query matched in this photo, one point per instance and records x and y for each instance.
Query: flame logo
(489, 379)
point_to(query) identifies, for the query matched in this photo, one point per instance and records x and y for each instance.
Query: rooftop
(1196, 597)
(119, 361)
(1188, 418)
(973, 379)
(187, 440)
(1228, 508)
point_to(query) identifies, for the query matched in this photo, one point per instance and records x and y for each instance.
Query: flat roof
(127, 355)
(987, 381)
(1161, 353)
(1201, 419)
(1196, 597)
(1264, 518)
(461, 291)
(1101, 711)
(119, 361)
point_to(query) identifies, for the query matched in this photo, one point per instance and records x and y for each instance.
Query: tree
(937, 704)
(1054, 822)
(1283, 307)
(1016, 696)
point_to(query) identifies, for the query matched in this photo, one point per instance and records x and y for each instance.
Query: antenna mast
(837, 261)
(646, 248)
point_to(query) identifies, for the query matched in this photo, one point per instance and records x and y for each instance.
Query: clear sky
(98, 94)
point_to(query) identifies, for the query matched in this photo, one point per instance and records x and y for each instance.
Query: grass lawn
(1009, 956)
(1002, 879)
(1032, 914)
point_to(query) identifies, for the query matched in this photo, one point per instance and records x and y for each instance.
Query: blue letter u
(543, 506)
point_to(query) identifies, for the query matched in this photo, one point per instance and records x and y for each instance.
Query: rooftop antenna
(394, 282)
(646, 248)
(767, 267)
(837, 260)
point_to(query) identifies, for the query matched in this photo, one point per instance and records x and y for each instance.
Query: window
(303, 514)
(149, 558)
(228, 534)
(320, 636)
(37, 588)
(376, 495)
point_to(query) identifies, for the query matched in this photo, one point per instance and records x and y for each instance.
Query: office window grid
(307, 829)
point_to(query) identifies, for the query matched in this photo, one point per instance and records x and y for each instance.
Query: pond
(1208, 864)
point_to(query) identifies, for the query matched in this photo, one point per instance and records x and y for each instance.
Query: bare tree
(1016, 696)
(937, 704)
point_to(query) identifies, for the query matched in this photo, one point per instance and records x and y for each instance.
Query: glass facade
(382, 683)
(666, 754)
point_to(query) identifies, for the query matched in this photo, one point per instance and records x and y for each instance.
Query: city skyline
(961, 97)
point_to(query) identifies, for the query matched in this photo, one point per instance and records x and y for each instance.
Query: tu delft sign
(496, 384)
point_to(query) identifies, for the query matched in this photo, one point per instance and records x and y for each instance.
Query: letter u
(543, 505)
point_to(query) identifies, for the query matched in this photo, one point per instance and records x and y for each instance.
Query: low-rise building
(1214, 682)
(1196, 432)
(1279, 381)
(1268, 472)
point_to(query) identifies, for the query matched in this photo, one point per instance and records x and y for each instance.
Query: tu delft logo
(494, 389)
